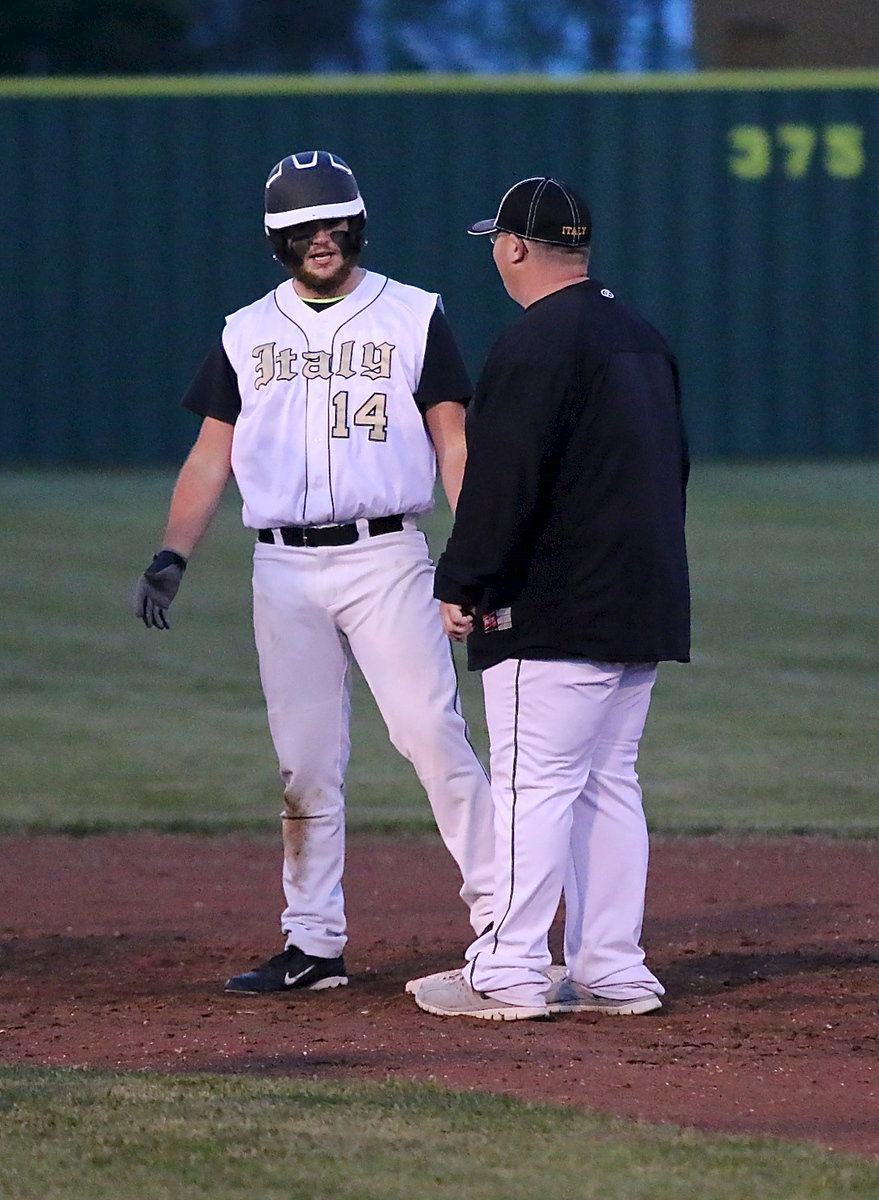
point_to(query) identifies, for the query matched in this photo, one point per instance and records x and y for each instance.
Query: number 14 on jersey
(372, 413)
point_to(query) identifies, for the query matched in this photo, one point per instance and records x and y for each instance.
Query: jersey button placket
(316, 408)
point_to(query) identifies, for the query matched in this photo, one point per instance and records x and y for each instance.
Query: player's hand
(457, 623)
(157, 587)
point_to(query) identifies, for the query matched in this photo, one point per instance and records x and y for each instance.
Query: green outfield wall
(740, 212)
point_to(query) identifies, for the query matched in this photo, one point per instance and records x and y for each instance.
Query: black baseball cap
(543, 210)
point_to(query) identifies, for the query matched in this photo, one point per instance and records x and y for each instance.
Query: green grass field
(69, 1135)
(108, 725)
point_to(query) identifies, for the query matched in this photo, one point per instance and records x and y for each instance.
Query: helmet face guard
(308, 187)
(290, 245)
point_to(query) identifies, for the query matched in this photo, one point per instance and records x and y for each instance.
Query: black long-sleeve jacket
(568, 540)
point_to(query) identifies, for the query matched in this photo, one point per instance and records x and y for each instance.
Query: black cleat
(289, 971)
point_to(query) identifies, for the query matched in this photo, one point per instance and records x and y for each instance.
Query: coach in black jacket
(566, 571)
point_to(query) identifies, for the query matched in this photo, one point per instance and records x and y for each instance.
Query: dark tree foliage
(606, 20)
(296, 36)
(74, 37)
(97, 37)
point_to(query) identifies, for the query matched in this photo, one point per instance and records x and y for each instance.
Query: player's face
(325, 266)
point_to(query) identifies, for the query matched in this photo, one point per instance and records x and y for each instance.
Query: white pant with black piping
(314, 608)
(568, 818)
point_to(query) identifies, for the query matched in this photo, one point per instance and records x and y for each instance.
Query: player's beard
(326, 285)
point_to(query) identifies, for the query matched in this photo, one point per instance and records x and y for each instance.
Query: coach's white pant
(312, 608)
(564, 742)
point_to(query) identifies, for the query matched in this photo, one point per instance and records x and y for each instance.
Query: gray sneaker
(455, 998)
(555, 974)
(567, 996)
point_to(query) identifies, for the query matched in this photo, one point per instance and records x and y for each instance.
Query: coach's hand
(457, 621)
(157, 587)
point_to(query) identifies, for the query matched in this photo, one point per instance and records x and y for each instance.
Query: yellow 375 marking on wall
(797, 150)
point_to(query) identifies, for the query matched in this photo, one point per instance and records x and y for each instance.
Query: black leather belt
(330, 535)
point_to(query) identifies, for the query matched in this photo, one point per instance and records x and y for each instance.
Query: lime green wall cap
(49, 87)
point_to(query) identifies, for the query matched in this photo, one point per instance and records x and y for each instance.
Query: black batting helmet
(313, 185)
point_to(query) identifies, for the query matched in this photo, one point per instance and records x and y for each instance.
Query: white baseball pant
(568, 817)
(314, 607)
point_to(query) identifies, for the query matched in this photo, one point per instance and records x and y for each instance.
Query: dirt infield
(114, 948)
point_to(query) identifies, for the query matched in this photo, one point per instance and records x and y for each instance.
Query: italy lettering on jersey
(329, 429)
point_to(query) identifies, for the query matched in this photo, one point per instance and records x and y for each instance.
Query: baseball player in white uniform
(332, 400)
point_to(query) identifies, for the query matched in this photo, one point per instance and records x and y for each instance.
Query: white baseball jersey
(329, 430)
(328, 413)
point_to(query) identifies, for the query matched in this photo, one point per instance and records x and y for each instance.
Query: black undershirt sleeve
(214, 390)
(443, 375)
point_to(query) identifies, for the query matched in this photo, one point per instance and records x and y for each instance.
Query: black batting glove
(157, 587)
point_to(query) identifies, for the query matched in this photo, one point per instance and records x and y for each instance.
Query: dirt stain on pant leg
(294, 830)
